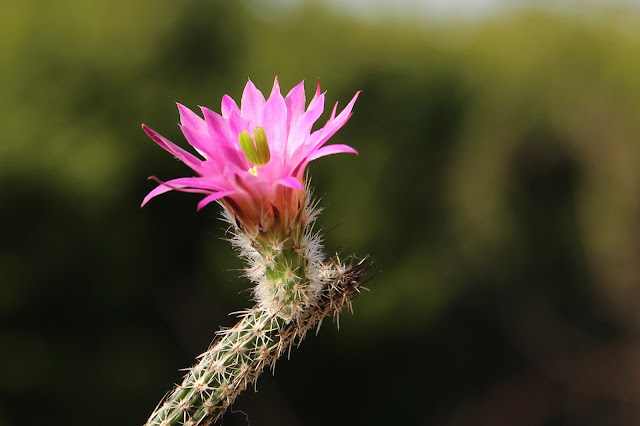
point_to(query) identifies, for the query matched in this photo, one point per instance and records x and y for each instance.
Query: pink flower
(255, 155)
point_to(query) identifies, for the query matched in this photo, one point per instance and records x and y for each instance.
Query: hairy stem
(240, 353)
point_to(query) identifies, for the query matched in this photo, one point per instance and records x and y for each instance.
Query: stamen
(255, 149)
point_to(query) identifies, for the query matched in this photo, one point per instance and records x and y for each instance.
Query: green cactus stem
(240, 353)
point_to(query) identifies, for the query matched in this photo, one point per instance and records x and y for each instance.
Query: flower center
(255, 149)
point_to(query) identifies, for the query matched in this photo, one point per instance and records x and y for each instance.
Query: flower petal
(195, 131)
(295, 101)
(252, 103)
(228, 105)
(217, 126)
(237, 124)
(300, 130)
(253, 189)
(187, 158)
(290, 182)
(330, 150)
(213, 197)
(223, 143)
(160, 189)
(274, 121)
(180, 184)
(333, 125)
(191, 119)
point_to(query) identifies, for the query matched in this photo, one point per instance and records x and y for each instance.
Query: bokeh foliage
(497, 189)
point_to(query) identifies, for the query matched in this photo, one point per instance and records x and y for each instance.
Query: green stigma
(256, 149)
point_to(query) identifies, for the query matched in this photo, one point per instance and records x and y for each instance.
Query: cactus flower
(252, 160)
(254, 156)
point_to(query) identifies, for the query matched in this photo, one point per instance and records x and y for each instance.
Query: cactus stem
(239, 354)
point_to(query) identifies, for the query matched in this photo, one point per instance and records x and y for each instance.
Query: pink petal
(318, 97)
(295, 101)
(160, 189)
(187, 158)
(191, 119)
(300, 130)
(333, 113)
(317, 93)
(195, 131)
(237, 124)
(274, 121)
(347, 110)
(333, 125)
(252, 103)
(180, 184)
(290, 182)
(229, 129)
(221, 139)
(301, 156)
(213, 197)
(217, 125)
(228, 105)
(330, 150)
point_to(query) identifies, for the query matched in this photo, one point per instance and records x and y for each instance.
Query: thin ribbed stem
(239, 355)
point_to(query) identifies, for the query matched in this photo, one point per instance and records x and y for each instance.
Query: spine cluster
(286, 266)
(295, 289)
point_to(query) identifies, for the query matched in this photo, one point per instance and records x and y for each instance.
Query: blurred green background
(497, 189)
